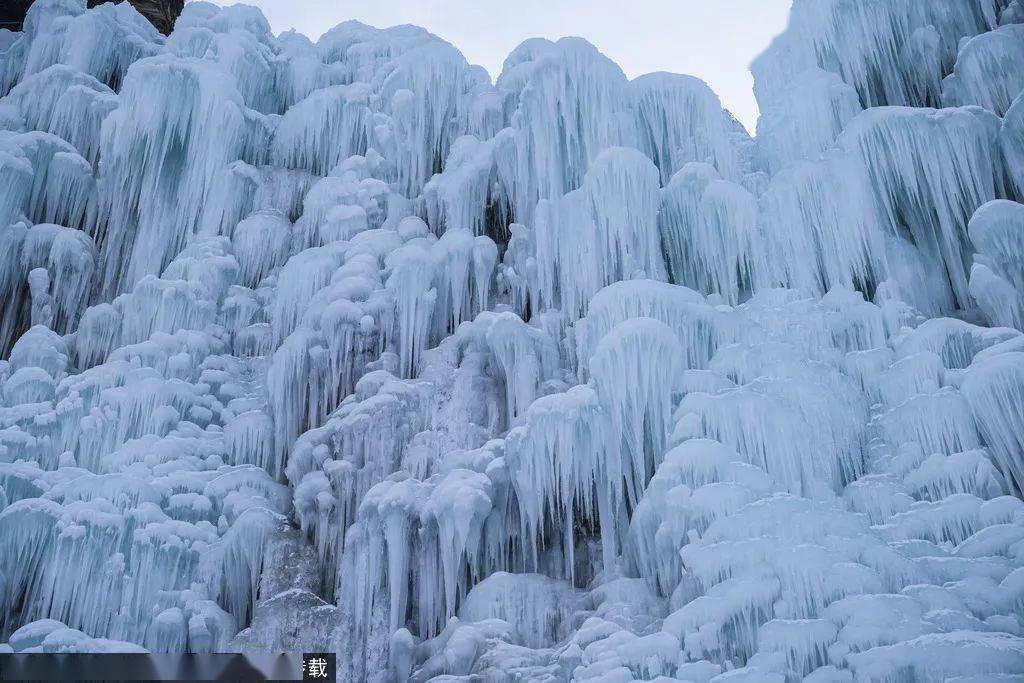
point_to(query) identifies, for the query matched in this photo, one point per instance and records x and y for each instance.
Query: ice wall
(340, 346)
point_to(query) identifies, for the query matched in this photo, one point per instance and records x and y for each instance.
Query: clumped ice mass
(339, 346)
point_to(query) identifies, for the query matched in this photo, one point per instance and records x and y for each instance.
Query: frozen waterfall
(341, 346)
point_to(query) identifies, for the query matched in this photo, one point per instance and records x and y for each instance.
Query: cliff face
(12, 13)
(160, 13)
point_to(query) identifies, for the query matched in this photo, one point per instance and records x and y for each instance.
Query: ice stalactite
(931, 171)
(63, 188)
(525, 356)
(617, 202)
(17, 174)
(410, 282)
(570, 108)
(453, 516)
(749, 418)
(997, 278)
(333, 467)
(709, 233)
(158, 171)
(807, 119)
(67, 261)
(241, 189)
(992, 386)
(472, 192)
(982, 654)
(818, 216)
(426, 96)
(987, 71)
(261, 242)
(323, 129)
(102, 43)
(699, 328)
(939, 422)
(680, 120)
(639, 408)
(237, 40)
(1011, 142)
(660, 523)
(67, 103)
(876, 48)
(559, 463)
(538, 608)
(956, 342)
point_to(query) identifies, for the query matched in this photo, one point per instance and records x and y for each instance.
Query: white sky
(712, 39)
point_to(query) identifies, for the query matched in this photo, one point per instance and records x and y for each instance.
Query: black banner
(242, 668)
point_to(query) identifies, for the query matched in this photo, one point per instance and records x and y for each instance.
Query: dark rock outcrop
(160, 13)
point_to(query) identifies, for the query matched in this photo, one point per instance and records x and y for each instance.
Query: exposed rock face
(161, 13)
(12, 13)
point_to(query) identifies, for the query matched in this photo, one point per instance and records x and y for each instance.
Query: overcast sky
(710, 39)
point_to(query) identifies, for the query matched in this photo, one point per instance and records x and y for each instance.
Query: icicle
(27, 542)
(709, 233)
(158, 172)
(62, 186)
(557, 462)
(679, 119)
(67, 103)
(988, 71)
(806, 119)
(819, 221)
(997, 279)
(661, 521)
(931, 170)
(753, 418)
(538, 608)
(457, 507)
(872, 47)
(287, 381)
(699, 328)
(804, 641)
(971, 472)
(616, 211)
(635, 368)
(455, 255)
(485, 257)
(309, 295)
(249, 440)
(261, 243)
(935, 656)
(412, 274)
(525, 355)
(69, 259)
(324, 129)
(302, 276)
(1011, 141)
(102, 42)
(994, 388)
(939, 422)
(956, 342)
(15, 183)
(238, 45)
(568, 112)
(425, 95)
(242, 560)
(470, 192)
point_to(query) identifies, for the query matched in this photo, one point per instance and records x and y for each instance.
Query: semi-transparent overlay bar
(278, 666)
